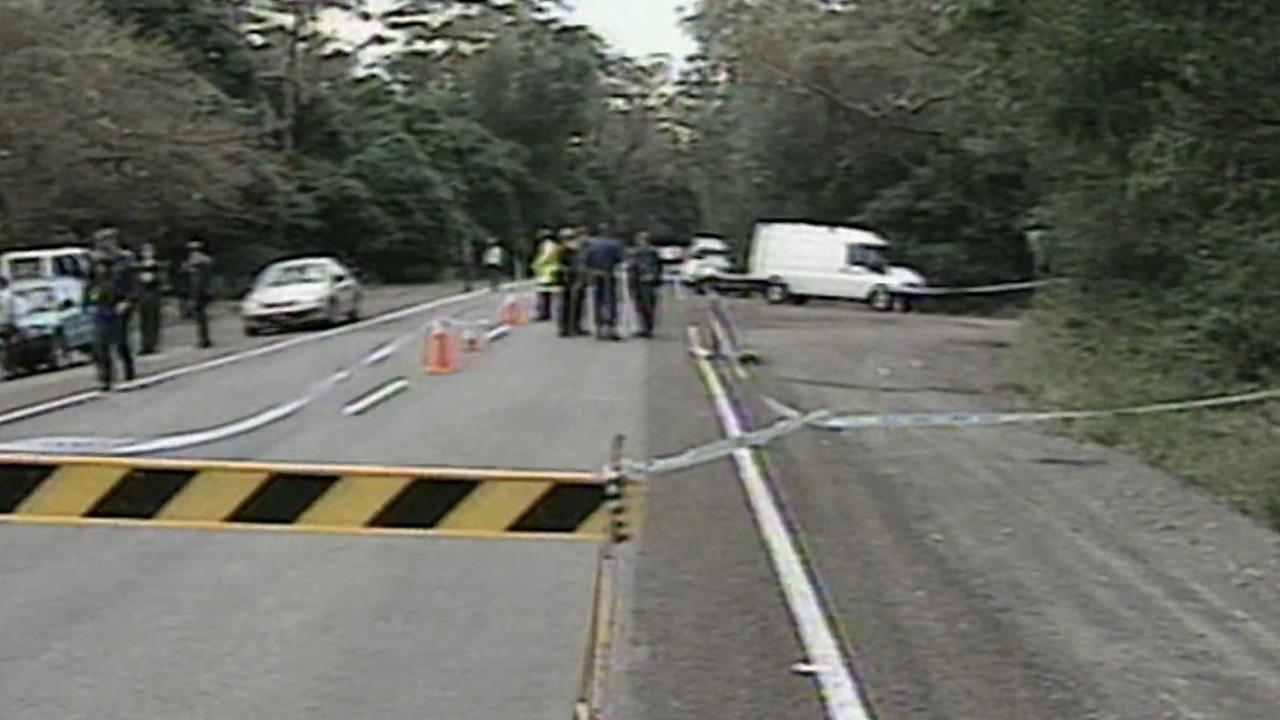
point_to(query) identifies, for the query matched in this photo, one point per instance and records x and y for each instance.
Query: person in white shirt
(10, 312)
(495, 260)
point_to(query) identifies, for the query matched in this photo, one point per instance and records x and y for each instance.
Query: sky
(636, 31)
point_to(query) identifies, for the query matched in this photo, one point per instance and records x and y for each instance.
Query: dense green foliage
(1138, 138)
(1127, 145)
(265, 128)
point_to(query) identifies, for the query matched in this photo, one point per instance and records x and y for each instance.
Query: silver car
(301, 292)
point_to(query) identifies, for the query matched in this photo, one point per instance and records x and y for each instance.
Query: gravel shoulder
(993, 574)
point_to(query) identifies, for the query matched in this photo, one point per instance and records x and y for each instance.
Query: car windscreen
(295, 274)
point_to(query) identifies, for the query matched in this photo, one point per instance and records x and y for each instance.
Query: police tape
(794, 420)
(995, 289)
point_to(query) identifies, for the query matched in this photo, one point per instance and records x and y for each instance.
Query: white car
(707, 256)
(299, 292)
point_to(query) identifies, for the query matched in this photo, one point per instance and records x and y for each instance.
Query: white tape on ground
(378, 395)
(274, 414)
(840, 694)
(225, 431)
(150, 380)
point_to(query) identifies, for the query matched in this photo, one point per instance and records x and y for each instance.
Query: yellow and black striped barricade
(316, 498)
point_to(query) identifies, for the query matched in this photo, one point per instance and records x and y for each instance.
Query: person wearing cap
(546, 268)
(199, 270)
(109, 297)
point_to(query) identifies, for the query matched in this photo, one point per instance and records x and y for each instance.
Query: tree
(99, 126)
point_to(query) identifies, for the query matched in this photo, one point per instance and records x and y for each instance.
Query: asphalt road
(121, 622)
(990, 574)
(178, 346)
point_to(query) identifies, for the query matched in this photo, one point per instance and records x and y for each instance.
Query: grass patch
(1114, 361)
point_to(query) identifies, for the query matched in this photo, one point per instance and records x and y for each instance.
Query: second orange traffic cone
(441, 354)
(512, 312)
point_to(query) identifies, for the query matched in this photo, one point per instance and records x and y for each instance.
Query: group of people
(570, 264)
(119, 284)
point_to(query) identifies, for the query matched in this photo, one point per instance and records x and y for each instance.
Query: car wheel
(355, 310)
(776, 293)
(252, 331)
(331, 315)
(902, 304)
(58, 354)
(880, 299)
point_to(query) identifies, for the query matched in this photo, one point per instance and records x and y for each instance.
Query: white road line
(840, 694)
(150, 380)
(379, 395)
(61, 403)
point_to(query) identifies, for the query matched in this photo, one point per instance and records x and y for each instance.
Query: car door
(77, 326)
(857, 277)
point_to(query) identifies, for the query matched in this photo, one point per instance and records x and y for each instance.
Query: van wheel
(776, 293)
(880, 299)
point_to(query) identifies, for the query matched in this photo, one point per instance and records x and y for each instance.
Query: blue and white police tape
(979, 289)
(987, 419)
(794, 420)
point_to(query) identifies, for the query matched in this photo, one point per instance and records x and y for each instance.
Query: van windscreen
(24, 268)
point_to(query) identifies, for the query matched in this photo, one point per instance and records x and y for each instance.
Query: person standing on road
(644, 272)
(572, 282)
(546, 268)
(151, 298)
(198, 268)
(495, 259)
(108, 298)
(604, 255)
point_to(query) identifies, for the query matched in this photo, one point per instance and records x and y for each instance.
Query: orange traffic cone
(441, 354)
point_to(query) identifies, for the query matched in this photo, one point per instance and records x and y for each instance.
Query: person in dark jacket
(198, 268)
(604, 255)
(150, 298)
(644, 272)
(572, 283)
(109, 299)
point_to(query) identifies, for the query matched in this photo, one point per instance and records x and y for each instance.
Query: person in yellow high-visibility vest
(546, 268)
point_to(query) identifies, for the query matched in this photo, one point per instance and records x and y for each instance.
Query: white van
(797, 261)
(46, 264)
